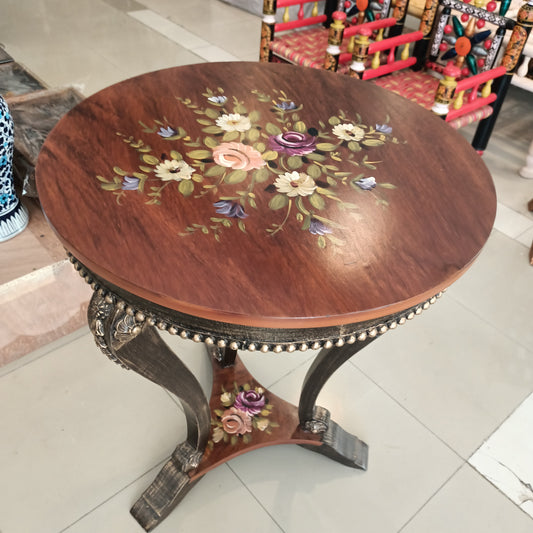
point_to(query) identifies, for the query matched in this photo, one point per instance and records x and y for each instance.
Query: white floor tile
(219, 502)
(213, 53)
(452, 371)
(506, 459)
(304, 491)
(79, 429)
(498, 288)
(468, 504)
(511, 223)
(169, 29)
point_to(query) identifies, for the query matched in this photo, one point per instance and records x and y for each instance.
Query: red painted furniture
(293, 31)
(261, 207)
(456, 70)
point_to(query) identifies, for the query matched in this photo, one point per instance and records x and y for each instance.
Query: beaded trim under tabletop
(140, 315)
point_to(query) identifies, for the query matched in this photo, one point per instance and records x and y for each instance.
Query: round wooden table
(260, 207)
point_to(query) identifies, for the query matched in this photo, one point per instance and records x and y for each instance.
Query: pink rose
(237, 156)
(235, 422)
(250, 401)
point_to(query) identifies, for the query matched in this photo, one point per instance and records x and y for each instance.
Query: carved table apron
(257, 207)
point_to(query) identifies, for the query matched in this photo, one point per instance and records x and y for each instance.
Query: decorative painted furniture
(457, 71)
(13, 215)
(318, 39)
(261, 207)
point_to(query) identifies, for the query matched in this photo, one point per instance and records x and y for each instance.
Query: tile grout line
(495, 327)
(158, 465)
(254, 497)
(430, 498)
(397, 402)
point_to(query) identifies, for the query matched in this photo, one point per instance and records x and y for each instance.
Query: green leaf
(316, 157)
(204, 122)
(247, 438)
(139, 175)
(212, 130)
(242, 226)
(272, 129)
(175, 155)
(186, 187)
(294, 162)
(387, 185)
(253, 134)
(199, 154)
(354, 146)
(278, 202)
(254, 116)
(237, 176)
(300, 127)
(215, 170)
(372, 142)
(111, 186)
(317, 201)
(326, 147)
(334, 121)
(211, 113)
(261, 175)
(300, 205)
(150, 159)
(270, 155)
(101, 178)
(321, 242)
(119, 171)
(234, 440)
(230, 136)
(314, 171)
(145, 169)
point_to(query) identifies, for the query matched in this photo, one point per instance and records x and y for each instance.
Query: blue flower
(366, 184)
(318, 228)
(219, 100)
(130, 184)
(286, 106)
(230, 209)
(383, 128)
(167, 132)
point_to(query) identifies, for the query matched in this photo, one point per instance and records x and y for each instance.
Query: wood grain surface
(393, 245)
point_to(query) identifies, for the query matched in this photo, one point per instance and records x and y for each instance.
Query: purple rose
(367, 184)
(293, 143)
(250, 401)
(286, 106)
(130, 183)
(167, 132)
(383, 128)
(230, 209)
(318, 228)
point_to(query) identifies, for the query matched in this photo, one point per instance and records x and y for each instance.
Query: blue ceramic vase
(13, 215)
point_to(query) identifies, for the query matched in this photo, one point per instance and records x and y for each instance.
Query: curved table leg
(337, 444)
(137, 346)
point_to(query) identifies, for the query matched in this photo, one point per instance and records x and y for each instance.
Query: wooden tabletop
(265, 195)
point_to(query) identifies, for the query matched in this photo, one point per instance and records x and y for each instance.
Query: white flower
(234, 122)
(295, 184)
(348, 132)
(171, 169)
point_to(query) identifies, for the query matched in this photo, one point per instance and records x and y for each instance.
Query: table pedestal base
(241, 415)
